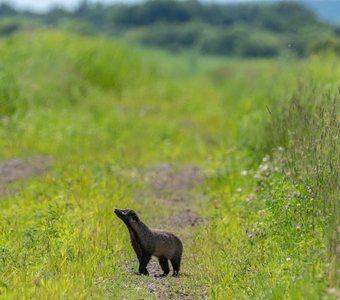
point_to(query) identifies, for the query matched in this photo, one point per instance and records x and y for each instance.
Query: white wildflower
(244, 173)
(257, 176)
(266, 158)
(264, 167)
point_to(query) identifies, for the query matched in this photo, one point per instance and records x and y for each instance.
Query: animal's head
(128, 216)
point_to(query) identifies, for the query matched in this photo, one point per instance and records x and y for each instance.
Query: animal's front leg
(145, 258)
(138, 250)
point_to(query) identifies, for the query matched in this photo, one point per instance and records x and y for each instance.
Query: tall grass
(309, 127)
(276, 194)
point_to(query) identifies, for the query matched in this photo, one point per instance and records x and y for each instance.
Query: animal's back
(167, 244)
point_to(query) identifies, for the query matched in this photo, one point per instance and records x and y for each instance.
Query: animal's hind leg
(164, 265)
(176, 264)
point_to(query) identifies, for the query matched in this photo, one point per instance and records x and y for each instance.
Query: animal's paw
(139, 273)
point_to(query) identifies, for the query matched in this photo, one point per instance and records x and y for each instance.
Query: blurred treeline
(244, 30)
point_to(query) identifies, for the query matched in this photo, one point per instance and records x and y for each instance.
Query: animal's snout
(119, 212)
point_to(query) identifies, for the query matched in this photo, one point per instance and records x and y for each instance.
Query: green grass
(105, 112)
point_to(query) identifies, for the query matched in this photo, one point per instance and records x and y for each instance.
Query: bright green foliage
(104, 113)
(9, 94)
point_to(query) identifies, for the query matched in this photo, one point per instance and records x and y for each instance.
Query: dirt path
(18, 169)
(170, 188)
(173, 188)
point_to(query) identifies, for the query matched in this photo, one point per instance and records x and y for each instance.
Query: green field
(240, 158)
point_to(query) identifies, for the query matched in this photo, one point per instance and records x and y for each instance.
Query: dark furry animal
(147, 242)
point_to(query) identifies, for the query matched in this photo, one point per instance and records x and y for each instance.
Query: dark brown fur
(147, 242)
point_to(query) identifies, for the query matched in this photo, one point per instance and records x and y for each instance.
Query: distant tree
(226, 42)
(173, 37)
(7, 10)
(251, 30)
(55, 15)
(9, 26)
(154, 11)
(82, 9)
(327, 45)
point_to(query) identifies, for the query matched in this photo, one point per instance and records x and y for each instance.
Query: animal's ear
(135, 218)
